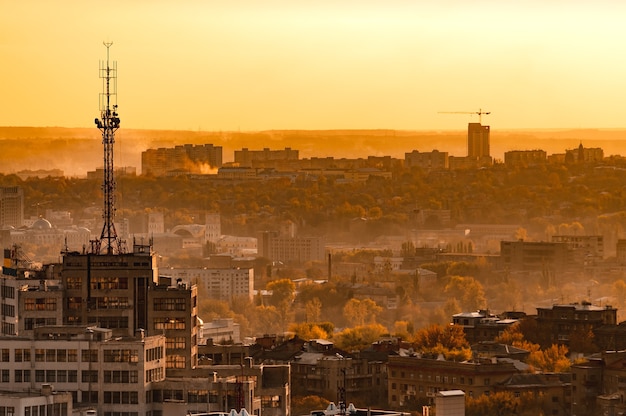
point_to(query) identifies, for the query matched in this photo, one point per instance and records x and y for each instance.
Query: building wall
(11, 206)
(416, 380)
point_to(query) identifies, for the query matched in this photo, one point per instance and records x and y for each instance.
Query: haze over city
(250, 66)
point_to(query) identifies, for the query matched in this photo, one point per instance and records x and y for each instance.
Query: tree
(468, 291)
(359, 338)
(504, 403)
(313, 310)
(450, 337)
(553, 359)
(360, 312)
(305, 405)
(309, 331)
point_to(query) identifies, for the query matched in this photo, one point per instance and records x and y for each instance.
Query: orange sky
(303, 64)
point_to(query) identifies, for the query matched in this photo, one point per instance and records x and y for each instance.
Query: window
(169, 323)
(175, 343)
(74, 303)
(197, 396)
(72, 356)
(175, 361)
(169, 304)
(5, 376)
(61, 356)
(40, 355)
(121, 356)
(51, 355)
(51, 376)
(89, 376)
(89, 356)
(5, 355)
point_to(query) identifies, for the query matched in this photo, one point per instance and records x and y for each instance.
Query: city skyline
(246, 66)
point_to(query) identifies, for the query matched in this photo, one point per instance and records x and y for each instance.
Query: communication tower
(108, 123)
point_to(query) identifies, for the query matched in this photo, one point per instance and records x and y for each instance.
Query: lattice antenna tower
(108, 123)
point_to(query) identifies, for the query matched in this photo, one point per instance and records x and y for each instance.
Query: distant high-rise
(477, 140)
(11, 206)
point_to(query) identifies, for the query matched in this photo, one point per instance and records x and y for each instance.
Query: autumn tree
(450, 337)
(309, 331)
(553, 359)
(361, 312)
(283, 295)
(468, 291)
(504, 403)
(359, 337)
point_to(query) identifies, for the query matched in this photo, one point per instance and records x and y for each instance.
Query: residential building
(218, 283)
(426, 160)
(480, 326)
(247, 158)
(559, 322)
(186, 159)
(588, 247)
(11, 206)
(416, 380)
(44, 401)
(478, 141)
(548, 257)
(291, 249)
(525, 158)
(109, 374)
(553, 391)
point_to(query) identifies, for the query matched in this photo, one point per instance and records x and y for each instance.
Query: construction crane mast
(108, 123)
(480, 113)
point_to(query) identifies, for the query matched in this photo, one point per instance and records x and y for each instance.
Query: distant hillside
(76, 151)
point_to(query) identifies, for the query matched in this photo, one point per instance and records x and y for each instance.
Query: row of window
(31, 323)
(71, 355)
(40, 304)
(121, 356)
(169, 304)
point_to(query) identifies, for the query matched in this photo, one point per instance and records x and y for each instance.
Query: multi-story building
(36, 402)
(524, 158)
(100, 371)
(536, 256)
(11, 206)
(481, 325)
(478, 142)
(323, 371)
(184, 159)
(109, 290)
(173, 311)
(247, 158)
(291, 249)
(559, 322)
(589, 247)
(218, 283)
(584, 155)
(552, 391)
(426, 160)
(415, 380)
(213, 227)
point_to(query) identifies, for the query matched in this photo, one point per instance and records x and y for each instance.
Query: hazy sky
(324, 64)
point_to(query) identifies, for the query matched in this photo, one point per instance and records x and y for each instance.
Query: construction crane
(480, 113)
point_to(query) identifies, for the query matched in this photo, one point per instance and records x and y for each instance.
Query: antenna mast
(108, 123)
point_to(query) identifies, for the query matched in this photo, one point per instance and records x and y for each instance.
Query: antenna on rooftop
(108, 123)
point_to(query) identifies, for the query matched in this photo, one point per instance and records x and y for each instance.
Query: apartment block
(188, 158)
(11, 206)
(218, 283)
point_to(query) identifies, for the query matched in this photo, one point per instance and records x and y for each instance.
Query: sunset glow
(249, 65)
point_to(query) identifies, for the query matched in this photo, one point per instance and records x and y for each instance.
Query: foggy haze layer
(34, 148)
